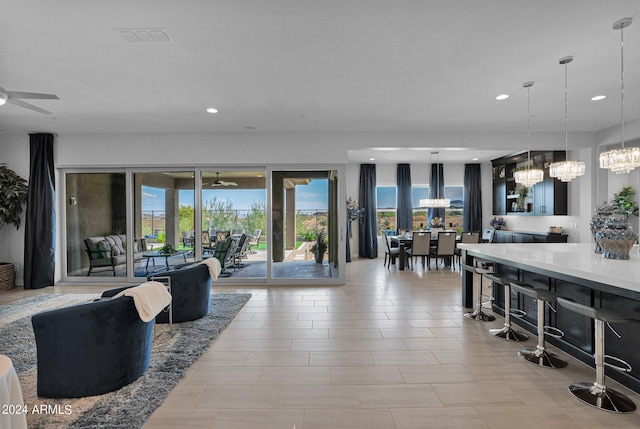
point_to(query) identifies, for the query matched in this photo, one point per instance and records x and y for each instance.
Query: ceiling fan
(16, 97)
(219, 182)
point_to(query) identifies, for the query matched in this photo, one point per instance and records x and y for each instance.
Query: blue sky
(313, 196)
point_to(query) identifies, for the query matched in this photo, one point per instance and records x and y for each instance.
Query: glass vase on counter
(617, 237)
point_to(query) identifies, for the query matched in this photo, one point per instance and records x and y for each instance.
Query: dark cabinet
(546, 198)
(502, 236)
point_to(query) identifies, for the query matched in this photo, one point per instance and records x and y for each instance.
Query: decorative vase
(617, 237)
(319, 257)
(600, 214)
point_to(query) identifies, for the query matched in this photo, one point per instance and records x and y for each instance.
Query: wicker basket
(7, 276)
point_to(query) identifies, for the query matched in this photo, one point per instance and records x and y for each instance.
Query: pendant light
(566, 170)
(529, 176)
(624, 159)
(436, 202)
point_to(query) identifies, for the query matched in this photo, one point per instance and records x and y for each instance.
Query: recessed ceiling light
(598, 97)
(372, 159)
(474, 159)
(212, 110)
(502, 97)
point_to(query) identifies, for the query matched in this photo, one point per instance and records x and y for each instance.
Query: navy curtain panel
(404, 207)
(472, 220)
(39, 246)
(368, 237)
(437, 191)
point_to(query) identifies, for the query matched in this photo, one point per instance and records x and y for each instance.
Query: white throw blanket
(149, 298)
(214, 267)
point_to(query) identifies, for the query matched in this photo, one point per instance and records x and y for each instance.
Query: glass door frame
(341, 216)
(129, 173)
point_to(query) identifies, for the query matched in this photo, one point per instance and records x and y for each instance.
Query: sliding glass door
(234, 208)
(283, 225)
(305, 231)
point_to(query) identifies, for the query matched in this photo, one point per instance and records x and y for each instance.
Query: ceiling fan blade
(31, 95)
(27, 106)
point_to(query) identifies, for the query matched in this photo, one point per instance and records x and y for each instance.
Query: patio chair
(207, 246)
(254, 240)
(241, 251)
(188, 238)
(225, 252)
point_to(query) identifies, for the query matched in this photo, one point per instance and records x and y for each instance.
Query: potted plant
(13, 197)
(320, 246)
(522, 194)
(625, 202)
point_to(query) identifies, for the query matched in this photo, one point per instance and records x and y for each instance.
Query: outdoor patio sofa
(109, 251)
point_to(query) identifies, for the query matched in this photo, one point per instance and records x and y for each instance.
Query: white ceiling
(317, 66)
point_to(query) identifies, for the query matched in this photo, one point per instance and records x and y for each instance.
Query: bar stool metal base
(602, 397)
(543, 358)
(509, 334)
(480, 315)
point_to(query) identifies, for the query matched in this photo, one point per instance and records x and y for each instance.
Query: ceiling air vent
(145, 35)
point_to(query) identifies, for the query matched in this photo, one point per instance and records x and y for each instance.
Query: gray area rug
(132, 405)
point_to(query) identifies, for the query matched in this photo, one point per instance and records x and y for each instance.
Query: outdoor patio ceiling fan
(16, 97)
(219, 182)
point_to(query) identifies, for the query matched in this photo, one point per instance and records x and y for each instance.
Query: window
(454, 214)
(386, 207)
(420, 214)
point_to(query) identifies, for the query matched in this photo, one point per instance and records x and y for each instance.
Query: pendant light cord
(622, 85)
(528, 128)
(566, 121)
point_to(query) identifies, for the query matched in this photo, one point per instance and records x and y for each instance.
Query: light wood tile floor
(388, 350)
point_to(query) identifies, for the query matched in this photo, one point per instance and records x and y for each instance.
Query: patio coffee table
(166, 256)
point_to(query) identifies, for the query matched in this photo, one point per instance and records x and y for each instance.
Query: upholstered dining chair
(420, 246)
(466, 237)
(445, 249)
(390, 254)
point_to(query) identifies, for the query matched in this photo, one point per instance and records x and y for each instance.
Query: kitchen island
(573, 271)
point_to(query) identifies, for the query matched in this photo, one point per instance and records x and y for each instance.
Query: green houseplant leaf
(625, 202)
(13, 197)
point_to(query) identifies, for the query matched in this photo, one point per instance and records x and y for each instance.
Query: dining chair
(445, 248)
(466, 237)
(420, 246)
(390, 254)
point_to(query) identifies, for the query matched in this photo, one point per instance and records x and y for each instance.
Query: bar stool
(478, 313)
(540, 356)
(507, 332)
(597, 394)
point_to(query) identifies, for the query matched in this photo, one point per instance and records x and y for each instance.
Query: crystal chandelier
(529, 176)
(436, 202)
(567, 170)
(623, 159)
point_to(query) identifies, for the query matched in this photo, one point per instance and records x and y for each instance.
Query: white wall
(14, 151)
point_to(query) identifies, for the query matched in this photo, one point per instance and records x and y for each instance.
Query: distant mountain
(457, 204)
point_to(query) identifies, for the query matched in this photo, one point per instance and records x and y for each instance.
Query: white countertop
(573, 259)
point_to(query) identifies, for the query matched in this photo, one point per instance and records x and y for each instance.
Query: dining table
(404, 242)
